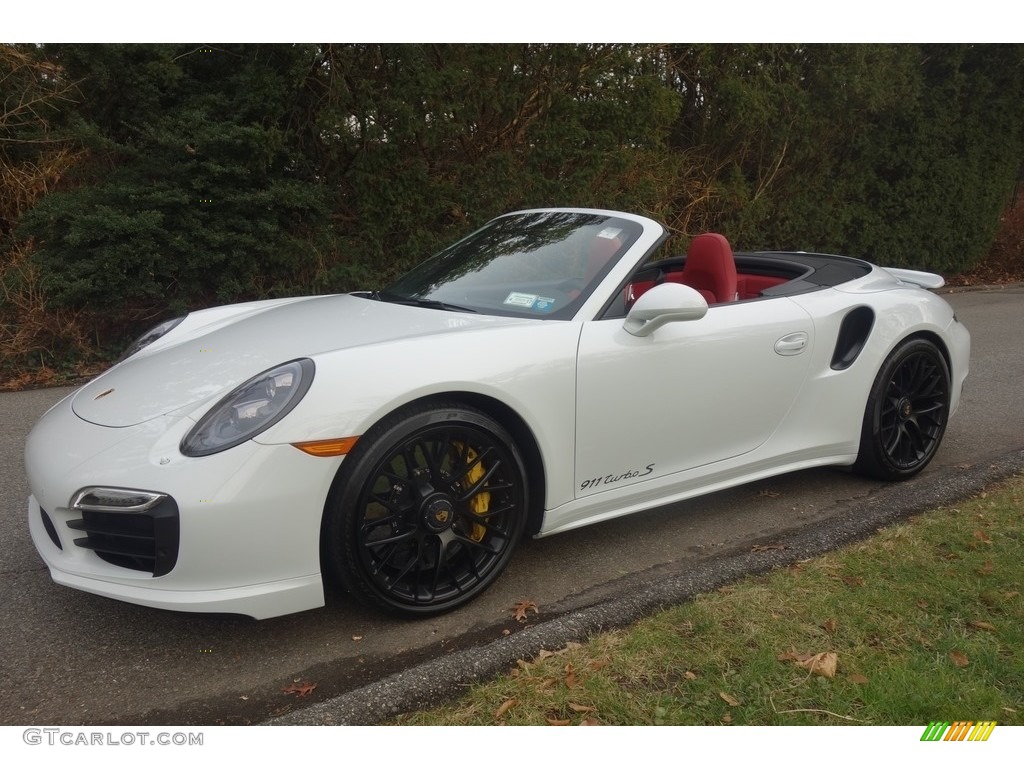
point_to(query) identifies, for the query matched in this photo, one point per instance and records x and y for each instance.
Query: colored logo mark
(961, 730)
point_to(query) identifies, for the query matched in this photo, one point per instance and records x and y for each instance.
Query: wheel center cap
(438, 513)
(906, 409)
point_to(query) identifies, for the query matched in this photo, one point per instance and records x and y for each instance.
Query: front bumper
(248, 519)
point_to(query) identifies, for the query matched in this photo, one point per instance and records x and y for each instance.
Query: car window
(539, 264)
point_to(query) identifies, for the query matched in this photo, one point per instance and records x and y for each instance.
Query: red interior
(750, 286)
(747, 286)
(601, 251)
(710, 269)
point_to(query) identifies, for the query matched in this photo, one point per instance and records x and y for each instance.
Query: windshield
(541, 264)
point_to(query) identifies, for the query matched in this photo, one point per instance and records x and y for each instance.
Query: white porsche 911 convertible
(553, 369)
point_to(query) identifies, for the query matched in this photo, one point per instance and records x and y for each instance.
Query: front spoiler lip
(260, 601)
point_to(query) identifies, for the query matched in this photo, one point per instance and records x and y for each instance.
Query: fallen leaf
(522, 608)
(357, 638)
(985, 569)
(554, 721)
(543, 653)
(590, 721)
(690, 675)
(299, 689)
(570, 676)
(244, 698)
(958, 658)
(829, 626)
(581, 708)
(728, 699)
(823, 664)
(548, 682)
(597, 664)
(767, 547)
(922, 604)
(1011, 595)
(506, 631)
(506, 705)
(858, 679)
(853, 581)
(726, 718)
(983, 625)
(981, 536)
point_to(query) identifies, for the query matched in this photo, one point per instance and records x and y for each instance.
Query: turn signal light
(335, 447)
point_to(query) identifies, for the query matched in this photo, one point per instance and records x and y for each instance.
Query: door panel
(692, 393)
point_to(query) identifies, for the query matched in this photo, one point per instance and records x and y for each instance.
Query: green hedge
(220, 173)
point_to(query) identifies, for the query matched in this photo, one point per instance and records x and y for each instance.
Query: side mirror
(665, 303)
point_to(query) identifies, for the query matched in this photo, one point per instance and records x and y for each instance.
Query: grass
(925, 621)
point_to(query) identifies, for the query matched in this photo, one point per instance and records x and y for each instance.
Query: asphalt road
(73, 658)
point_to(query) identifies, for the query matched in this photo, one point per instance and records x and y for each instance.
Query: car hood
(213, 351)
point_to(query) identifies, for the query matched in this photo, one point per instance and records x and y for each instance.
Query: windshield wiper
(412, 302)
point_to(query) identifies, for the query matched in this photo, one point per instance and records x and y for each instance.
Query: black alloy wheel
(427, 510)
(906, 413)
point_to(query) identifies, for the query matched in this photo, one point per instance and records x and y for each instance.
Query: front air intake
(142, 541)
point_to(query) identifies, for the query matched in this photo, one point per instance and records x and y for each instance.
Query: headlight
(150, 336)
(249, 409)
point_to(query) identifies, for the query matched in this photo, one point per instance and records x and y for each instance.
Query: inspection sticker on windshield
(530, 301)
(521, 299)
(609, 233)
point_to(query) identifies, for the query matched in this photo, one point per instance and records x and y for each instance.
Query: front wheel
(906, 412)
(426, 511)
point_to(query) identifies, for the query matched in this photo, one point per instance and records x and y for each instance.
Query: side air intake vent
(853, 335)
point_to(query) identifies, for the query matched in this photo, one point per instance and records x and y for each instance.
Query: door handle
(792, 343)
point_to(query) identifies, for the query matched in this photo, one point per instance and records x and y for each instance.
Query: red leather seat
(635, 290)
(601, 251)
(751, 286)
(710, 268)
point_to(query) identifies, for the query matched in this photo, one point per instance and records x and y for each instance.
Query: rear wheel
(906, 412)
(425, 513)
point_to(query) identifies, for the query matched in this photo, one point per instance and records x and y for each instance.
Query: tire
(906, 412)
(426, 510)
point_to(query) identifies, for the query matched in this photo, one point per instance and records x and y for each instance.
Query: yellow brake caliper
(480, 503)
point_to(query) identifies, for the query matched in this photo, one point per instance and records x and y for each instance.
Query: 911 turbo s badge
(613, 478)
(103, 394)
